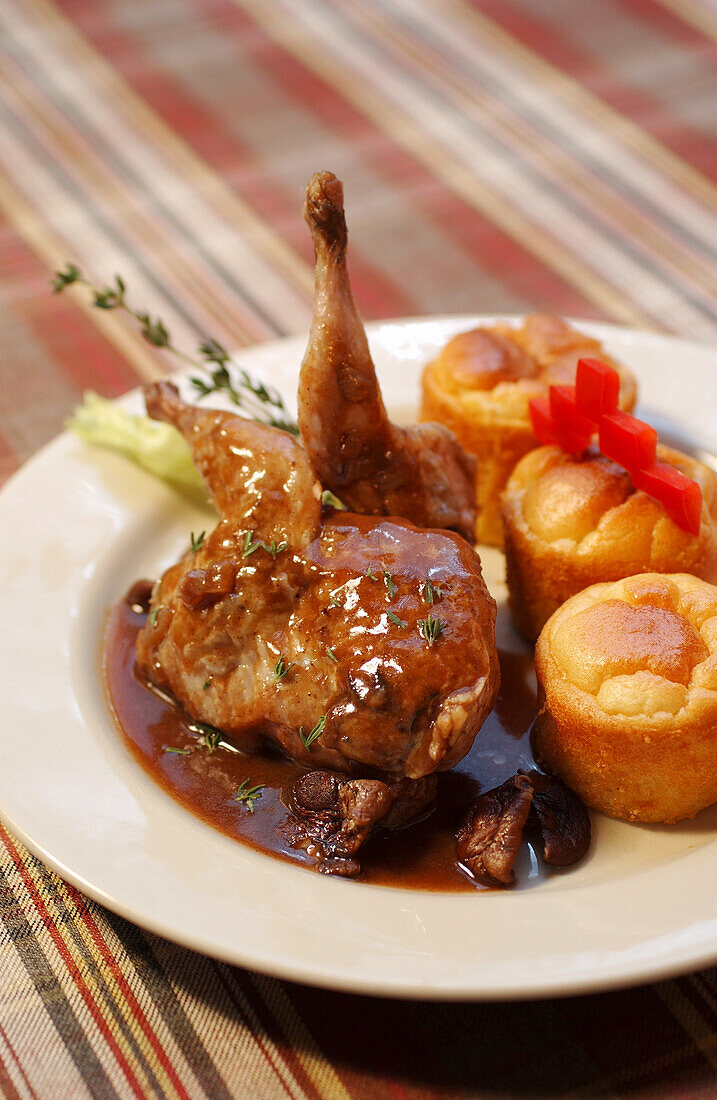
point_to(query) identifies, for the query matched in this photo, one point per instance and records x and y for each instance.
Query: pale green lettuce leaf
(155, 446)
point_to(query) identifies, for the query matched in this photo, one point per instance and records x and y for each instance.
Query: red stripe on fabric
(71, 966)
(5, 1081)
(669, 24)
(76, 347)
(114, 968)
(7, 1087)
(9, 460)
(222, 972)
(695, 147)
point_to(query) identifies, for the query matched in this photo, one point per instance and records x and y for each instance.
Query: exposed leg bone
(375, 467)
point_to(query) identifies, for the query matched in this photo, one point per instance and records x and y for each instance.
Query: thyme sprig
(431, 592)
(281, 668)
(198, 542)
(247, 794)
(395, 619)
(307, 739)
(176, 751)
(251, 545)
(431, 627)
(260, 402)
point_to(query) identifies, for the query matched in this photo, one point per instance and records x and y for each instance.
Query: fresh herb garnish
(206, 684)
(335, 599)
(330, 500)
(211, 740)
(390, 586)
(431, 592)
(251, 545)
(281, 668)
(177, 752)
(275, 548)
(431, 628)
(330, 653)
(307, 739)
(395, 619)
(370, 574)
(260, 402)
(248, 794)
(154, 613)
(198, 542)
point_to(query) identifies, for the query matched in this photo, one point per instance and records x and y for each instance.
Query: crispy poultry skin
(276, 582)
(375, 467)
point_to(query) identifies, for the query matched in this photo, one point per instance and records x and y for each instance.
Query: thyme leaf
(307, 739)
(197, 542)
(154, 613)
(281, 669)
(177, 752)
(388, 581)
(431, 627)
(330, 653)
(247, 794)
(431, 592)
(395, 619)
(61, 279)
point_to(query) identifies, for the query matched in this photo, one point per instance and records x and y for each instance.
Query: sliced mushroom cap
(562, 819)
(490, 833)
(335, 815)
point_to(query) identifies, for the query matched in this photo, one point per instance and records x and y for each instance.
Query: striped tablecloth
(498, 156)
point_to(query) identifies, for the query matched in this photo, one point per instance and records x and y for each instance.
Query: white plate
(78, 526)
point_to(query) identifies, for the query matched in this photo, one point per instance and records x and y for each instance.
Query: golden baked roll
(571, 521)
(627, 675)
(480, 385)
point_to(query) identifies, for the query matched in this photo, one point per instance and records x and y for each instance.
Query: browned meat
(376, 468)
(351, 643)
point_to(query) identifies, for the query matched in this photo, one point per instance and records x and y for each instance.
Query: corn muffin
(573, 521)
(627, 676)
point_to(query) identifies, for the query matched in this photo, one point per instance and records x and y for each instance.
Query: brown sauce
(421, 856)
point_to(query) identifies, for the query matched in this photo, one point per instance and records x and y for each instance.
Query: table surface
(498, 156)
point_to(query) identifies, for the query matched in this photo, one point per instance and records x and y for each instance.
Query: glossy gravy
(421, 856)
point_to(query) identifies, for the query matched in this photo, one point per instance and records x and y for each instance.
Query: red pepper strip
(680, 495)
(542, 421)
(629, 442)
(547, 431)
(597, 388)
(567, 417)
